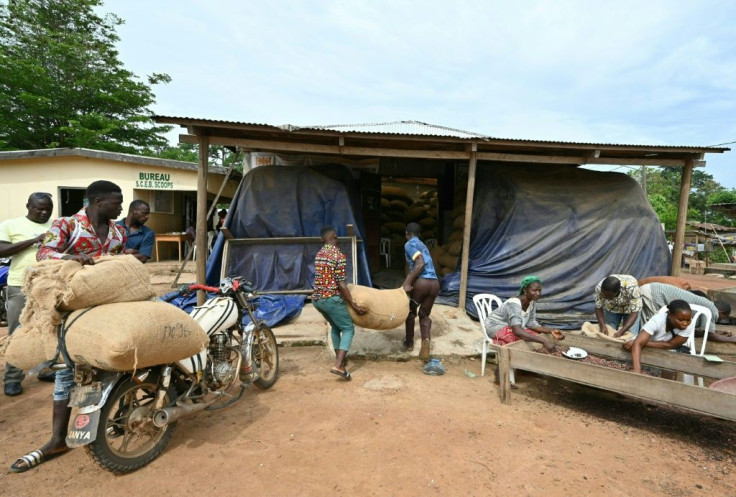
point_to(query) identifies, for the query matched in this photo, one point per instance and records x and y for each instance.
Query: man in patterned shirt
(88, 234)
(331, 297)
(617, 300)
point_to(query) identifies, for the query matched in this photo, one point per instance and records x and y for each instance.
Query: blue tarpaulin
(271, 309)
(571, 227)
(288, 201)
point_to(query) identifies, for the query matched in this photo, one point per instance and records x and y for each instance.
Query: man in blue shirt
(140, 237)
(422, 286)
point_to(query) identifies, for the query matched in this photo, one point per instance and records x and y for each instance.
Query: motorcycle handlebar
(206, 288)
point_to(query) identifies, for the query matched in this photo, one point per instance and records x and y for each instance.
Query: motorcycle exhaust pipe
(167, 415)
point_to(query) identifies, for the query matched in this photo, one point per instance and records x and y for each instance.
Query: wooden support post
(202, 221)
(504, 372)
(466, 229)
(687, 174)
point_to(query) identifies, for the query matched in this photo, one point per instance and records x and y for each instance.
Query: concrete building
(169, 186)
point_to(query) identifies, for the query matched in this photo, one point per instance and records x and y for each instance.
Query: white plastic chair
(484, 306)
(431, 243)
(385, 250)
(697, 310)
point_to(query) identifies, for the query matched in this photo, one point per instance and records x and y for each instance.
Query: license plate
(86, 395)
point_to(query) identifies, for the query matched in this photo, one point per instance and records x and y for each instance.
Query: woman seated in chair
(663, 331)
(516, 319)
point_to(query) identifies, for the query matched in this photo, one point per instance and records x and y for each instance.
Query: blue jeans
(616, 319)
(63, 384)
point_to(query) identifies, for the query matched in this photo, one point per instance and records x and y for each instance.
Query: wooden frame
(229, 243)
(521, 355)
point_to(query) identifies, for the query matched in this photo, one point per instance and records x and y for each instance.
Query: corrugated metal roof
(400, 129)
(101, 154)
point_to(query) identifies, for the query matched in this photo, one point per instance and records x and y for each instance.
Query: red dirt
(395, 431)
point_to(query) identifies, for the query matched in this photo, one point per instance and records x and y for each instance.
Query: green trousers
(335, 311)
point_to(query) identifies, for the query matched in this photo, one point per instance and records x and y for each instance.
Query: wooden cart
(521, 355)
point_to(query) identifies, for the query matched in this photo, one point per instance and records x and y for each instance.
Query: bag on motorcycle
(387, 309)
(67, 285)
(116, 337)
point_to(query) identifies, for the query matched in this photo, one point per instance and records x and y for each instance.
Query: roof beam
(329, 149)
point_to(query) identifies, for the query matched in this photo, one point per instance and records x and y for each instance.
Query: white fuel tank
(216, 314)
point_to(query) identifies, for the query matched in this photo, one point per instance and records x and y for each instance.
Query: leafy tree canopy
(63, 85)
(663, 190)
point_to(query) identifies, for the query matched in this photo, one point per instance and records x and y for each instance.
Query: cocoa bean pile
(596, 361)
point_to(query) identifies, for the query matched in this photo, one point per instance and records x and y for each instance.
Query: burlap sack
(436, 252)
(455, 248)
(416, 212)
(396, 216)
(426, 235)
(459, 222)
(394, 192)
(428, 222)
(399, 205)
(385, 203)
(432, 211)
(459, 210)
(396, 227)
(387, 309)
(593, 331)
(67, 285)
(456, 235)
(448, 260)
(444, 271)
(115, 337)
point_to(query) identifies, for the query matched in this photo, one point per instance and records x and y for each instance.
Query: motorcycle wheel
(125, 440)
(265, 356)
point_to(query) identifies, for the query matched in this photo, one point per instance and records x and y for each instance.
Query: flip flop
(345, 374)
(33, 459)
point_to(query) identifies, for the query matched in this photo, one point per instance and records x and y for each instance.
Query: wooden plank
(684, 363)
(687, 174)
(202, 221)
(466, 231)
(698, 399)
(504, 371)
(314, 148)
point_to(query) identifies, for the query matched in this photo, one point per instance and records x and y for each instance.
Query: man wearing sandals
(88, 234)
(331, 297)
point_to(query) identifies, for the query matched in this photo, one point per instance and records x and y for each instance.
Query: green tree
(62, 83)
(663, 190)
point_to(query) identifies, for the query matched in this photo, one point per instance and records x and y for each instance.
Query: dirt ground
(395, 431)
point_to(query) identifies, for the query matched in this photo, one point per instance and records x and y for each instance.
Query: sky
(633, 72)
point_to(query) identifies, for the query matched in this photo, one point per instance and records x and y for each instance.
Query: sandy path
(395, 431)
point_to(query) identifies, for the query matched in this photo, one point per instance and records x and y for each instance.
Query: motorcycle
(4, 270)
(126, 419)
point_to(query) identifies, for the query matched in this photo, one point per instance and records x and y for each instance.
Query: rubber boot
(424, 351)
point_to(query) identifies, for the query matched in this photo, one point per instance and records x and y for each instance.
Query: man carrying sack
(422, 286)
(88, 234)
(331, 297)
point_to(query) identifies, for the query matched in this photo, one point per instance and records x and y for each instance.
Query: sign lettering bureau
(154, 181)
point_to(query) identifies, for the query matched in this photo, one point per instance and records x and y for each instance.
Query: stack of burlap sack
(398, 209)
(446, 256)
(386, 309)
(108, 316)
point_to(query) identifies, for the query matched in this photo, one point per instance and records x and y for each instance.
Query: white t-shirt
(657, 327)
(17, 230)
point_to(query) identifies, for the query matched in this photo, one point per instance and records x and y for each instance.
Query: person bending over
(617, 301)
(664, 331)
